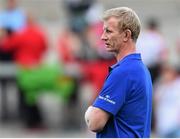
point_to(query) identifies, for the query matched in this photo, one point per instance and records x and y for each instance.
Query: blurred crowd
(82, 66)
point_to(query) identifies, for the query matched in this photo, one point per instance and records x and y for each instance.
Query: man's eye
(108, 31)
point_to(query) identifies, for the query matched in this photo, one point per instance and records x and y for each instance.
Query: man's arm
(96, 118)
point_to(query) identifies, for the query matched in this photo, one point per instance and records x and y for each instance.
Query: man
(123, 107)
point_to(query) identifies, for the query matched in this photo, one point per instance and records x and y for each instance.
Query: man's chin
(109, 50)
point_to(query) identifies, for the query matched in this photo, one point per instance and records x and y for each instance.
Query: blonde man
(123, 107)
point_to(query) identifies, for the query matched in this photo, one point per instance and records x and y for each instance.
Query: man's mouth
(107, 44)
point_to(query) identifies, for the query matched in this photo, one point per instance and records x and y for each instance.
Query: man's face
(112, 36)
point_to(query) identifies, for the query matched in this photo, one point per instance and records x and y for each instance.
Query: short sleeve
(113, 93)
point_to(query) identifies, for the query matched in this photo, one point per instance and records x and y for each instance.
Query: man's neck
(129, 49)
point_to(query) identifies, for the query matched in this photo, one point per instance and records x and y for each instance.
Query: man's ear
(127, 35)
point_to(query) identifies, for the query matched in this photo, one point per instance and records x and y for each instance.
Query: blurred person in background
(81, 49)
(151, 44)
(29, 46)
(73, 48)
(96, 70)
(167, 104)
(77, 10)
(84, 20)
(12, 20)
(123, 107)
(30, 50)
(12, 17)
(70, 53)
(69, 46)
(85, 23)
(95, 29)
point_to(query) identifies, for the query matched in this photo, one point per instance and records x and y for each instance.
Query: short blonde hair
(128, 19)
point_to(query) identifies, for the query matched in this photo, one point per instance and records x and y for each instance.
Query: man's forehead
(110, 22)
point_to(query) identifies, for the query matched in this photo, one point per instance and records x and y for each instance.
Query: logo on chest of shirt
(107, 98)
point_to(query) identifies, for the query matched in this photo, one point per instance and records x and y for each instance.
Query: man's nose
(103, 37)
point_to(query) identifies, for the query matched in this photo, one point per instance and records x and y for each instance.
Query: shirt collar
(130, 56)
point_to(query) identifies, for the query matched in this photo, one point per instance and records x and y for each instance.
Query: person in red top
(29, 46)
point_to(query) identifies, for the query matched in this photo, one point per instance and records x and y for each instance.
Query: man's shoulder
(130, 69)
(125, 67)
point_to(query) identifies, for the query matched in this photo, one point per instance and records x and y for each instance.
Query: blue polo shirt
(127, 96)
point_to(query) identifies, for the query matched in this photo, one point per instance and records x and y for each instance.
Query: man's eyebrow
(105, 28)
